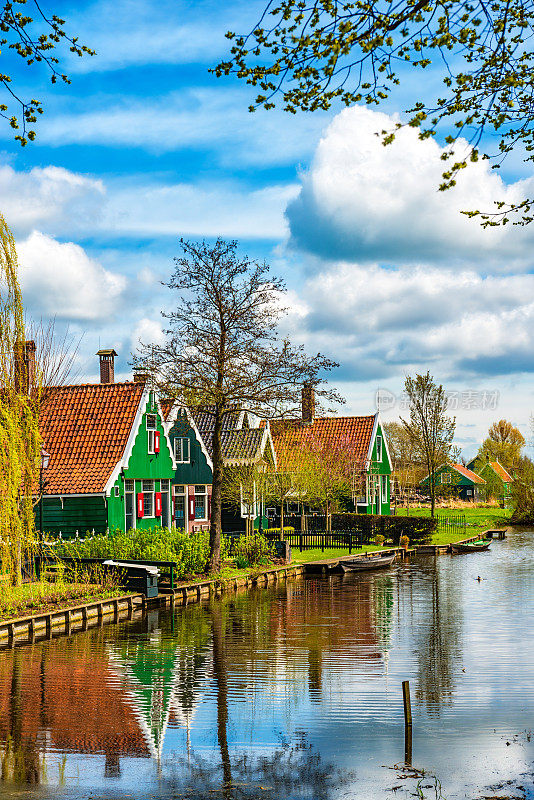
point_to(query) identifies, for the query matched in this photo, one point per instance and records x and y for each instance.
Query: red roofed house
(498, 480)
(467, 484)
(111, 463)
(363, 436)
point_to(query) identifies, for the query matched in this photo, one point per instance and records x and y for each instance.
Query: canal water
(288, 692)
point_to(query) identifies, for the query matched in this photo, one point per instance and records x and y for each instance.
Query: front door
(164, 509)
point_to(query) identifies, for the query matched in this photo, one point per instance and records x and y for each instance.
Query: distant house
(244, 441)
(498, 480)
(463, 482)
(111, 464)
(363, 435)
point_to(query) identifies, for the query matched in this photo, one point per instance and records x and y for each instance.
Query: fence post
(322, 542)
(350, 543)
(300, 542)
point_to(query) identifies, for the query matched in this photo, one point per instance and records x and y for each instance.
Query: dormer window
(151, 422)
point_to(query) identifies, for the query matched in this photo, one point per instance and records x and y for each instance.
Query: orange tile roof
(501, 472)
(290, 435)
(85, 429)
(467, 473)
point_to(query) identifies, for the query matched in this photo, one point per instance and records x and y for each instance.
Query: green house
(111, 463)
(458, 481)
(498, 480)
(362, 439)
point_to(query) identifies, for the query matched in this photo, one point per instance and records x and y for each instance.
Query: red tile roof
(501, 472)
(290, 435)
(85, 429)
(469, 474)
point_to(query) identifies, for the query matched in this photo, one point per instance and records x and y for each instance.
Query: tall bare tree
(430, 428)
(223, 352)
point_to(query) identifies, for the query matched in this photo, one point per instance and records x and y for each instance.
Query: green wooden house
(458, 481)
(498, 480)
(111, 463)
(363, 435)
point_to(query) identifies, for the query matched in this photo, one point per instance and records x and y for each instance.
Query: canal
(288, 692)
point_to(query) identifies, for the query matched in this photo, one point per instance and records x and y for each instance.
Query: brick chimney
(24, 366)
(107, 365)
(308, 403)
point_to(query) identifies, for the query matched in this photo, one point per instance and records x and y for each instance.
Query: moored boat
(471, 547)
(365, 563)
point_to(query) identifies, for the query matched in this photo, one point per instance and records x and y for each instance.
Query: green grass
(319, 555)
(477, 519)
(41, 596)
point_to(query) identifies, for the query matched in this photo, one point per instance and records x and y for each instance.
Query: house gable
(199, 468)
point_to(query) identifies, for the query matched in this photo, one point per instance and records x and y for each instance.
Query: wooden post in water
(407, 722)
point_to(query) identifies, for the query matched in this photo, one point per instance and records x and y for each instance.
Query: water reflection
(296, 688)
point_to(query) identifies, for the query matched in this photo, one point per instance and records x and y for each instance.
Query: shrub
(404, 541)
(379, 539)
(367, 526)
(252, 549)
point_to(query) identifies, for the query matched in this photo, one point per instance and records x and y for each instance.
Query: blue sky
(384, 273)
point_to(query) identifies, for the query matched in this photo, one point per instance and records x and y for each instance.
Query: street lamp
(45, 460)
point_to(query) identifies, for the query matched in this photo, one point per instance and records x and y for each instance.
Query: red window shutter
(140, 506)
(191, 502)
(157, 498)
(156, 443)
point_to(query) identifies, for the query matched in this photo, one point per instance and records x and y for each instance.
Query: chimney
(139, 376)
(107, 365)
(308, 403)
(24, 366)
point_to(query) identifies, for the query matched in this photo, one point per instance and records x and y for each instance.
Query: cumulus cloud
(51, 197)
(363, 201)
(380, 322)
(61, 280)
(147, 331)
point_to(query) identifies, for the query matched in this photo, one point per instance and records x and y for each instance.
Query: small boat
(367, 562)
(471, 547)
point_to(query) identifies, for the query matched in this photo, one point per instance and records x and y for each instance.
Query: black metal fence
(452, 524)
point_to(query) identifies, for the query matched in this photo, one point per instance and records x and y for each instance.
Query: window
(179, 503)
(128, 486)
(201, 506)
(181, 450)
(151, 428)
(384, 480)
(379, 448)
(446, 477)
(164, 485)
(115, 491)
(148, 498)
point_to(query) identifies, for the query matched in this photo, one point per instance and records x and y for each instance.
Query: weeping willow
(20, 445)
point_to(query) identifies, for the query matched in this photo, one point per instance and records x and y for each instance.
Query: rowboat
(471, 547)
(366, 563)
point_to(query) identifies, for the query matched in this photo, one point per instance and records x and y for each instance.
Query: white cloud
(147, 331)
(191, 118)
(380, 322)
(196, 210)
(50, 197)
(60, 280)
(363, 201)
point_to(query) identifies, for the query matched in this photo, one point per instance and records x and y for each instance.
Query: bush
(252, 549)
(379, 539)
(190, 552)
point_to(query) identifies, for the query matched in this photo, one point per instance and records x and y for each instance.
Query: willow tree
(20, 445)
(223, 352)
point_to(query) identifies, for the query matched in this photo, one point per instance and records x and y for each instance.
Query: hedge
(418, 529)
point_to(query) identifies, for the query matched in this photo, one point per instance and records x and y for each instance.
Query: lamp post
(45, 460)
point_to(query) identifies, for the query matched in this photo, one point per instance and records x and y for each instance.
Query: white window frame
(204, 494)
(384, 488)
(147, 487)
(129, 485)
(151, 430)
(179, 456)
(379, 448)
(446, 477)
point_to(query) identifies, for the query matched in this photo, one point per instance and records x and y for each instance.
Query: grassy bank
(44, 596)
(478, 519)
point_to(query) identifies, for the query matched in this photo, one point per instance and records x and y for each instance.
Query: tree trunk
(220, 670)
(214, 563)
(282, 520)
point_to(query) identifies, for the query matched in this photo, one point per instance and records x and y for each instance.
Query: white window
(151, 428)
(201, 502)
(379, 448)
(164, 485)
(469, 492)
(115, 491)
(179, 504)
(384, 480)
(129, 486)
(148, 498)
(181, 449)
(446, 477)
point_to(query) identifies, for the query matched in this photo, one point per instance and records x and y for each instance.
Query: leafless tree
(223, 352)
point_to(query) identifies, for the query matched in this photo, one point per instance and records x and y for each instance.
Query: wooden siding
(75, 514)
